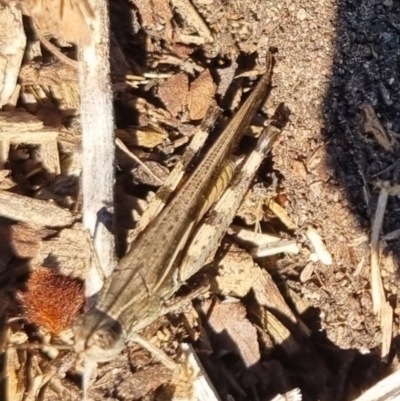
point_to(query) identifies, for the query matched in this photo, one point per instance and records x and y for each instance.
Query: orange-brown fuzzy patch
(52, 301)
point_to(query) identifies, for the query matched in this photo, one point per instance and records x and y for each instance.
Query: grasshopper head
(98, 336)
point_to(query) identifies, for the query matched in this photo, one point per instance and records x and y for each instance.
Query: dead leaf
(174, 93)
(201, 94)
(374, 126)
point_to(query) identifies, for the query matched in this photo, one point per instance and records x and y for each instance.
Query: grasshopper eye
(104, 338)
(98, 336)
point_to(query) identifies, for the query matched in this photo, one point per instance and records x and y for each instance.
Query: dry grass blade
(378, 295)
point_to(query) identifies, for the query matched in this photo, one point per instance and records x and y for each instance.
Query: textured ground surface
(337, 70)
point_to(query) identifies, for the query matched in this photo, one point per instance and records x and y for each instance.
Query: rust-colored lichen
(52, 301)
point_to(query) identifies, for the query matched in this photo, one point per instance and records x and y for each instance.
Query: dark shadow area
(320, 369)
(15, 248)
(289, 357)
(364, 88)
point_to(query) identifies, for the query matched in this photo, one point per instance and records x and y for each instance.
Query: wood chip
(55, 73)
(235, 273)
(33, 211)
(67, 252)
(192, 381)
(261, 245)
(281, 213)
(22, 240)
(239, 335)
(190, 14)
(320, 249)
(145, 137)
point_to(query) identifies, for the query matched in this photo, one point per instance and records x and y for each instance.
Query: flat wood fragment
(235, 273)
(49, 157)
(66, 252)
(201, 95)
(229, 321)
(24, 240)
(21, 127)
(33, 211)
(268, 295)
(36, 73)
(280, 334)
(174, 93)
(13, 120)
(66, 94)
(143, 137)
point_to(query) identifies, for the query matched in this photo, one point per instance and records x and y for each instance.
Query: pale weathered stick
(98, 153)
(381, 307)
(386, 389)
(262, 245)
(197, 384)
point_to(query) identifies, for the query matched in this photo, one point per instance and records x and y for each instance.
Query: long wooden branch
(97, 121)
